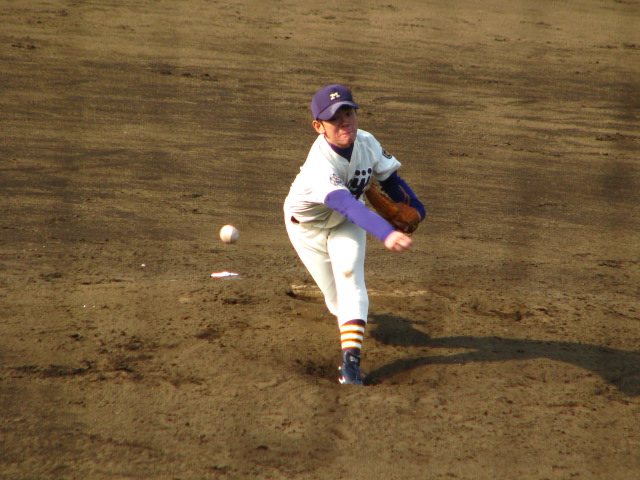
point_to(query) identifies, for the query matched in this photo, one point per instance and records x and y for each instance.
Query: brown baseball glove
(399, 214)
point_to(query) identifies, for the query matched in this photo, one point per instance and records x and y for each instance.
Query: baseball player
(327, 221)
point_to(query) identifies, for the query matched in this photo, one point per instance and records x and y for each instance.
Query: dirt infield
(505, 345)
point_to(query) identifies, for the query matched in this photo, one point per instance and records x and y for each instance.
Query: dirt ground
(505, 345)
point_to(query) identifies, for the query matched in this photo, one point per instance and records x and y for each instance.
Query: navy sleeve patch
(336, 180)
(386, 154)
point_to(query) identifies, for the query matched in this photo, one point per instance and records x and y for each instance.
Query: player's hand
(398, 242)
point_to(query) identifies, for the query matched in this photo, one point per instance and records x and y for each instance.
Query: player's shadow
(620, 368)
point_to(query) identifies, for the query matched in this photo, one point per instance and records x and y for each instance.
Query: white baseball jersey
(325, 171)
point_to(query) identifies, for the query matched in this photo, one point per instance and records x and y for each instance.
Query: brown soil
(506, 345)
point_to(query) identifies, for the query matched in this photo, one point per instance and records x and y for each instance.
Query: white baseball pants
(335, 259)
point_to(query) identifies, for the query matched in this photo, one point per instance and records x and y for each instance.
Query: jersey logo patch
(358, 183)
(386, 154)
(336, 180)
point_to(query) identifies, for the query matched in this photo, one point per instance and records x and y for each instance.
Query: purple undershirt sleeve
(396, 187)
(345, 204)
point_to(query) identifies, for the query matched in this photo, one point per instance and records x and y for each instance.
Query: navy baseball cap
(329, 99)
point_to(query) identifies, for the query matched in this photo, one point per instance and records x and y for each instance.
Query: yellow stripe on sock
(349, 335)
(351, 328)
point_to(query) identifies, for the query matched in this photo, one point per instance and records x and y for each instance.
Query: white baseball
(229, 234)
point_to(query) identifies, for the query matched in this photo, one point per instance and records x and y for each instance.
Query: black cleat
(350, 373)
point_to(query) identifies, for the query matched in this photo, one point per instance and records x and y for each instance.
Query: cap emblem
(334, 95)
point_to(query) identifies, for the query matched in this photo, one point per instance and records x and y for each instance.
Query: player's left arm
(399, 191)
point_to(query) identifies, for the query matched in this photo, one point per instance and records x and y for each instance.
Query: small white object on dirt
(223, 274)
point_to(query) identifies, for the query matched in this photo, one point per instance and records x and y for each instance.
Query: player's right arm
(356, 212)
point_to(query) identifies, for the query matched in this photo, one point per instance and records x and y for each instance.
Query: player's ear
(318, 127)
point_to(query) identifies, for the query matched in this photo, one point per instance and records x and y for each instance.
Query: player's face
(341, 130)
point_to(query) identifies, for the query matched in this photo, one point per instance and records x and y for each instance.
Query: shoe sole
(343, 381)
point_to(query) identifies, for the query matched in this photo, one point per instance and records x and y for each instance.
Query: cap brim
(330, 111)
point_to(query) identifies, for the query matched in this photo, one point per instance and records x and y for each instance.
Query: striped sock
(351, 335)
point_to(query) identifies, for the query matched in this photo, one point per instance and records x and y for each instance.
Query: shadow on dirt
(619, 368)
